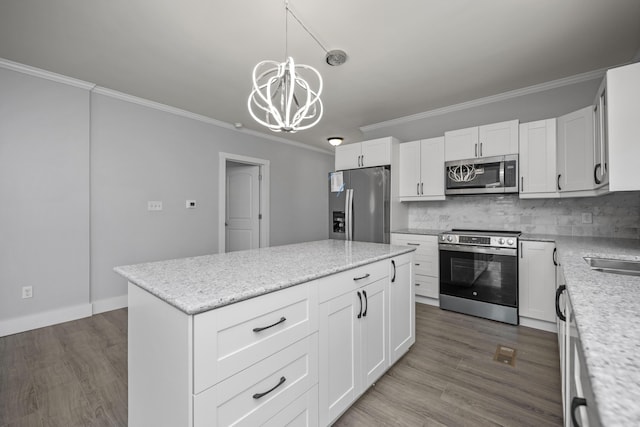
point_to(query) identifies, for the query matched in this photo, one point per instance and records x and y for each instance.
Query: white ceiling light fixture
(335, 140)
(283, 98)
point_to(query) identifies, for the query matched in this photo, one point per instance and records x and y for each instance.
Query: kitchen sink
(616, 266)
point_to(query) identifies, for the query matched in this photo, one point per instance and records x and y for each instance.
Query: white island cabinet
(278, 336)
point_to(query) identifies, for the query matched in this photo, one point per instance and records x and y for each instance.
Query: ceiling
(405, 56)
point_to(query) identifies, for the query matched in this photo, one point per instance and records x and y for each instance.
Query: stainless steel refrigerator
(359, 203)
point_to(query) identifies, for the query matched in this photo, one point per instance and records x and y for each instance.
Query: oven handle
(478, 249)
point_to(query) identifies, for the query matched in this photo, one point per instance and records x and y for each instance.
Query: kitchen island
(267, 336)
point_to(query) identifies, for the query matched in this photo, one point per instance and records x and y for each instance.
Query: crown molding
(48, 75)
(198, 117)
(566, 81)
(59, 78)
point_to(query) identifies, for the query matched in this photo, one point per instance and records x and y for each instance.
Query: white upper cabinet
(422, 170)
(575, 151)
(498, 139)
(495, 139)
(538, 159)
(376, 152)
(622, 127)
(461, 144)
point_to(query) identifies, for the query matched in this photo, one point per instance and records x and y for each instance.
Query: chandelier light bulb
(282, 99)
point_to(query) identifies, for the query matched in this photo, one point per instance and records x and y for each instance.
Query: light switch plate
(191, 204)
(154, 205)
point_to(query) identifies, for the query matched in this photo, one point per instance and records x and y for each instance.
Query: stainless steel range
(479, 273)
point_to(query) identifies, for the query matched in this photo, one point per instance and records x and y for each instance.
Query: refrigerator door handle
(349, 213)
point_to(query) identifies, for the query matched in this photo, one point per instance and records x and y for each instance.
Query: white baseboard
(108, 304)
(47, 318)
(429, 301)
(539, 324)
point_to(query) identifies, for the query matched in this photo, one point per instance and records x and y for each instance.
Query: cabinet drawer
(281, 378)
(426, 265)
(427, 286)
(426, 245)
(302, 412)
(338, 284)
(228, 340)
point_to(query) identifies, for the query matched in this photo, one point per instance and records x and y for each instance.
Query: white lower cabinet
(402, 326)
(353, 346)
(580, 406)
(299, 356)
(301, 412)
(425, 262)
(537, 283)
(261, 391)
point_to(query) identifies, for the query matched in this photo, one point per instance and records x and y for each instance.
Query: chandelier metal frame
(281, 98)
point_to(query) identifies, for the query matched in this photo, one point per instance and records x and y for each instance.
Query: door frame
(264, 166)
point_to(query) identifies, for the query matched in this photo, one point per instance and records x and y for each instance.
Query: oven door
(478, 273)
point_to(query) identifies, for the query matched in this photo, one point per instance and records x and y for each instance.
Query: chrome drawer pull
(362, 277)
(282, 319)
(259, 395)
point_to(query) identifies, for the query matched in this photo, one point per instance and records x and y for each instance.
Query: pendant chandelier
(286, 95)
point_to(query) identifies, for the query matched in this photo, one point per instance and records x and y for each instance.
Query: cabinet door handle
(476, 155)
(259, 395)
(481, 149)
(413, 244)
(559, 312)
(595, 174)
(393, 263)
(521, 251)
(575, 402)
(282, 319)
(362, 277)
(522, 184)
(559, 188)
(555, 256)
(360, 299)
(362, 160)
(418, 188)
(366, 303)
(422, 188)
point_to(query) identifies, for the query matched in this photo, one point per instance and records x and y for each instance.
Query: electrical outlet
(154, 205)
(27, 291)
(191, 204)
(587, 218)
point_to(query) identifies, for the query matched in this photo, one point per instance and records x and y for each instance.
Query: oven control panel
(479, 240)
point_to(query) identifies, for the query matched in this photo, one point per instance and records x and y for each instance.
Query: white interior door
(242, 207)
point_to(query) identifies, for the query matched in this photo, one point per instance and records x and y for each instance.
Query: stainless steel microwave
(487, 175)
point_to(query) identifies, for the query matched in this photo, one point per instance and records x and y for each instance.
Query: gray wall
(530, 107)
(613, 215)
(76, 171)
(140, 154)
(44, 194)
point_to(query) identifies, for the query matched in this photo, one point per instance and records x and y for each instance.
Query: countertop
(607, 313)
(198, 284)
(421, 231)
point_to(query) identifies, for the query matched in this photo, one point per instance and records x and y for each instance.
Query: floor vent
(506, 355)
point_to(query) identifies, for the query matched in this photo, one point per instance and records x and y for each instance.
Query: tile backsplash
(613, 215)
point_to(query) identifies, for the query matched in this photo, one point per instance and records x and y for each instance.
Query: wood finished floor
(75, 374)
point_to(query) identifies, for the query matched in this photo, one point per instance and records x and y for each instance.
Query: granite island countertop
(198, 284)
